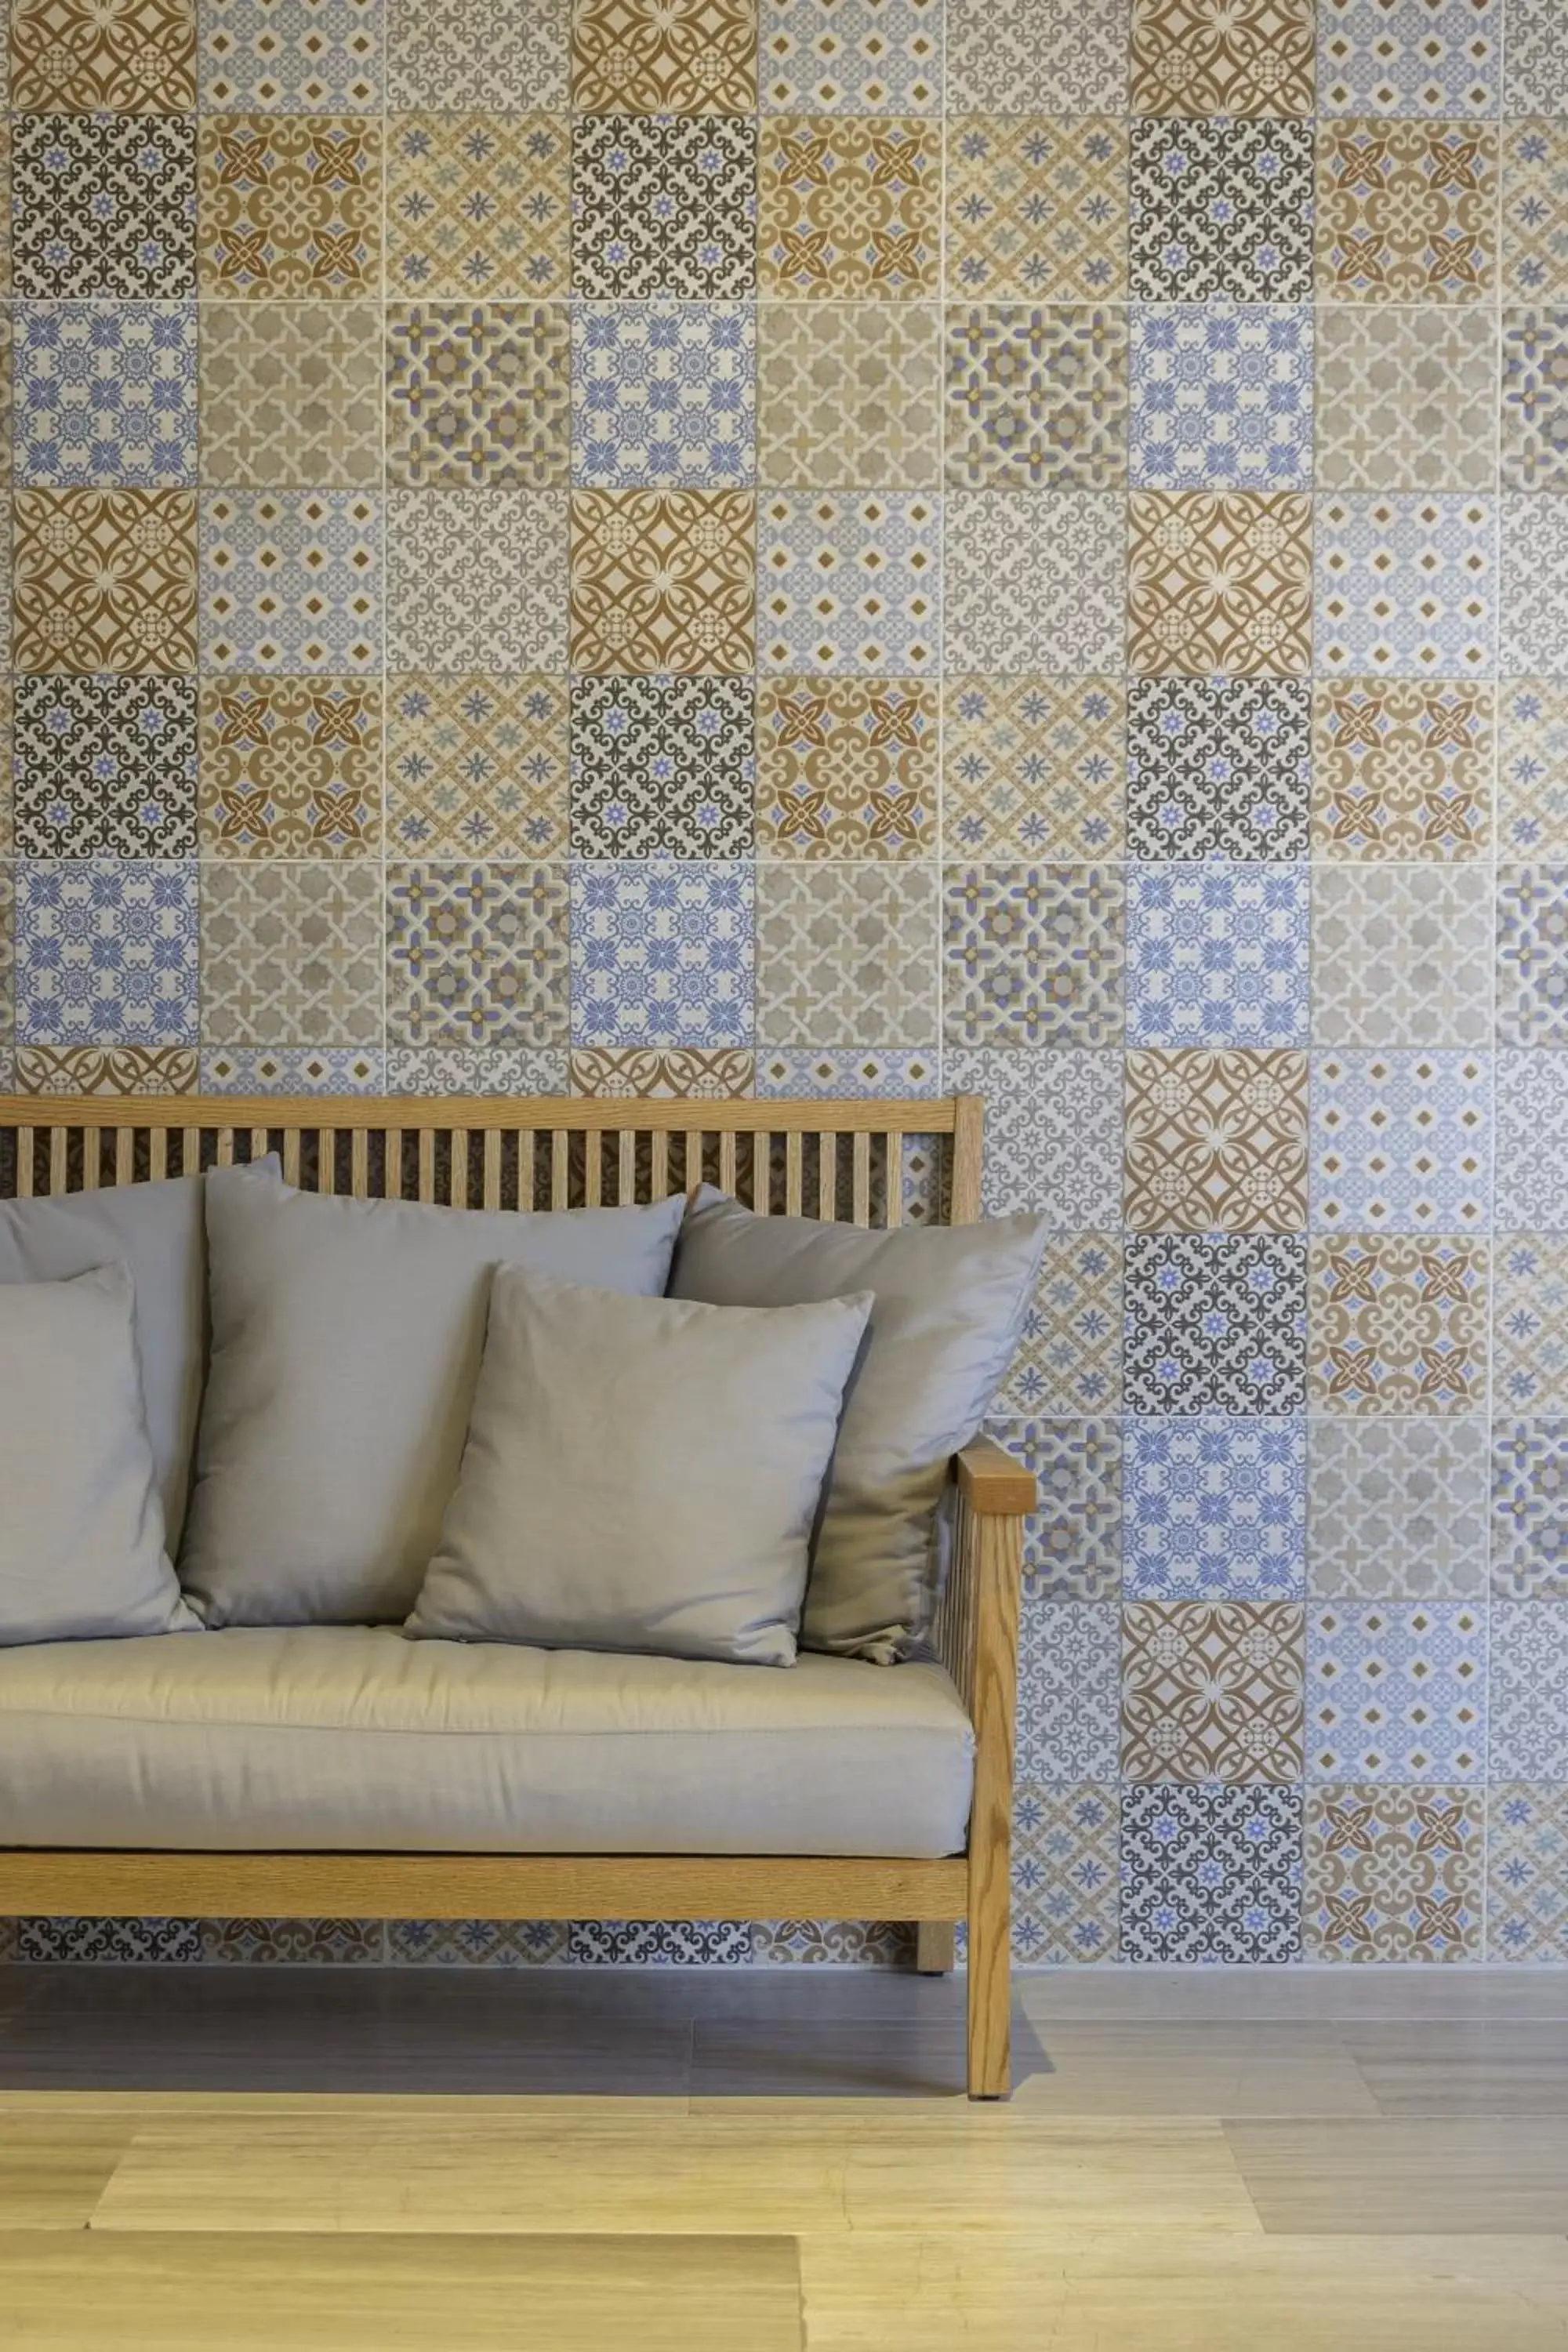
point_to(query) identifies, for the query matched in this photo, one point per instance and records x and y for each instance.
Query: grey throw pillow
(641, 1473)
(155, 1231)
(81, 1526)
(346, 1341)
(949, 1304)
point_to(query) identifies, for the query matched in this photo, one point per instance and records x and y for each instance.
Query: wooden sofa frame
(827, 1159)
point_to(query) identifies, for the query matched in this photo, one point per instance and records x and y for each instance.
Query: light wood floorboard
(1472, 2175)
(54, 2168)
(415, 2294)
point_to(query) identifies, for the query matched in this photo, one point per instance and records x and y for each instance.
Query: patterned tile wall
(711, 545)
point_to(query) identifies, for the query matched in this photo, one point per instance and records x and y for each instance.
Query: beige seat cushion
(355, 1737)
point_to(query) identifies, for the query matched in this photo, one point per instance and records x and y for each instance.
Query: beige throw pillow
(641, 1473)
(346, 1343)
(81, 1526)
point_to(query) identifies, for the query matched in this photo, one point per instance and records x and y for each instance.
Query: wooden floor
(362, 2161)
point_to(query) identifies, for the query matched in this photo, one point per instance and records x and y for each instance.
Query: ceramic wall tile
(1398, 1509)
(70, 59)
(1037, 206)
(1214, 1323)
(1529, 1655)
(1532, 767)
(1394, 1874)
(662, 766)
(297, 57)
(291, 396)
(663, 580)
(104, 580)
(1220, 582)
(1406, 212)
(1072, 1542)
(106, 951)
(873, 57)
(1068, 1357)
(104, 203)
(662, 953)
(664, 204)
(849, 393)
(1032, 955)
(290, 767)
(1017, 54)
(1053, 1130)
(1531, 1138)
(480, 53)
(252, 1070)
(104, 767)
(1036, 397)
(1401, 1142)
(846, 948)
(1533, 955)
(476, 580)
(1189, 58)
(1402, 768)
(1219, 766)
(1529, 1511)
(1215, 1141)
(1534, 445)
(1215, 1509)
(848, 584)
(1217, 954)
(1396, 1691)
(290, 206)
(1406, 398)
(291, 953)
(1401, 956)
(479, 204)
(105, 394)
(292, 581)
(1527, 1872)
(663, 393)
(1530, 1324)
(1065, 1875)
(655, 1073)
(1535, 67)
(1409, 56)
(1406, 586)
(1222, 395)
(1221, 205)
(847, 768)
(477, 766)
(849, 205)
(476, 955)
(1033, 580)
(478, 395)
(1034, 766)
(1534, 205)
(1069, 1680)
(1211, 1875)
(1212, 1691)
(1532, 534)
(645, 57)
(1398, 1324)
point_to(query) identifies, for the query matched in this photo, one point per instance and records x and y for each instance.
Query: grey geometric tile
(1210, 1874)
(845, 952)
(1401, 956)
(1219, 766)
(1035, 579)
(1533, 535)
(646, 1942)
(1216, 1323)
(1532, 1141)
(1023, 57)
(1533, 955)
(476, 1070)
(1053, 1130)
(1529, 1657)
(1397, 1509)
(114, 1942)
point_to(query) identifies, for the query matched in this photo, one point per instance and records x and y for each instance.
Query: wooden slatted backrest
(812, 1159)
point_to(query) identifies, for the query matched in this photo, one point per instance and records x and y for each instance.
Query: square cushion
(641, 1473)
(948, 1304)
(155, 1231)
(346, 1341)
(81, 1526)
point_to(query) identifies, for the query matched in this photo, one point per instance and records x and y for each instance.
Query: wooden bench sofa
(841, 1160)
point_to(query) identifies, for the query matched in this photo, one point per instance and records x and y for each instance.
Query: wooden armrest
(992, 1484)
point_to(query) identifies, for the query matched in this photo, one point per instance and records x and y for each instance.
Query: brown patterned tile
(849, 204)
(1394, 1874)
(647, 1075)
(289, 767)
(1220, 582)
(106, 1069)
(478, 395)
(290, 205)
(1037, 206)
(663, 580)
(479, 204)
(1033, 766)
(846, 768)
(292, 1943)
(1406, 212)
(1216, 1141)
(1222, 57)
(103, 57)
(105, 580)
(1396, 1323)
(477, 766)
(291, 394)
(665, 57)
(1402, 768)
(1212, 1691)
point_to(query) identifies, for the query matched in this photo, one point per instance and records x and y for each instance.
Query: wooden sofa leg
(936, 1947)
(990, 1997)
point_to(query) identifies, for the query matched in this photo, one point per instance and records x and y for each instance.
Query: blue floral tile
(1528, 1741)
(1221, 396)
(1068, 1355)
(663, 395)
(1210, 1874)
(105, 394)
(1214, 1323)
(292, 581)
(1219, 766)
(662, 954)
(1396, 1691)
(1217, 954)
(1215, 1509)
(848, 582)
(106, 951)
(1072, 1541)
(1531, 1149)
(867, 57)
(1432, 57)
(1529, 1511)
(1069, 1688)
(1406, 586)
(1401, 1142)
